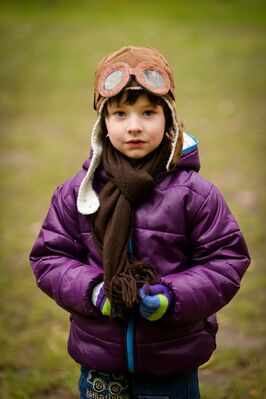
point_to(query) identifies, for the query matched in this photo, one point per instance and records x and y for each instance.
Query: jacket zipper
(130, 344)
(130, 329)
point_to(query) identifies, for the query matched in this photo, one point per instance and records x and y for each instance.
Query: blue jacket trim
(130, 248)
(130, 328)
(191, 147)
(130, 346)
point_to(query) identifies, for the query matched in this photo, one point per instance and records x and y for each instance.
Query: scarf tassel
(123, 288)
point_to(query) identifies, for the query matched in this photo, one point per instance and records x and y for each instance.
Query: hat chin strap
(88, 200)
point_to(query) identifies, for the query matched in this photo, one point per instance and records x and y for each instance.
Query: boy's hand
(100, 301)
(155, 300)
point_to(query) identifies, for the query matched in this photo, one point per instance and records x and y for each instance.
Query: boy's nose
(134, 125)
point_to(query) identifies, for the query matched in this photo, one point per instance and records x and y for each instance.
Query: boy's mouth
(135, 142)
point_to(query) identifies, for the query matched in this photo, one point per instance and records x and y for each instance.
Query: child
(138, 247)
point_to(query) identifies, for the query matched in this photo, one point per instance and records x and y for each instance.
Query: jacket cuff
(96, 291)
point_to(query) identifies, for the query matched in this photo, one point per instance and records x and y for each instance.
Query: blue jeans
(96, 385)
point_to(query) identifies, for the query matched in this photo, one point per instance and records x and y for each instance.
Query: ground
(49, 50)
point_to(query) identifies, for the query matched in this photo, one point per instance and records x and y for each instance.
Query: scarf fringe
(123, 288)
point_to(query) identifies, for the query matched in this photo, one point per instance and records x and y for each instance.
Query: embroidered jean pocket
(96, 385)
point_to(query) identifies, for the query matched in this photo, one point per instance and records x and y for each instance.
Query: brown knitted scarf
(129, 181)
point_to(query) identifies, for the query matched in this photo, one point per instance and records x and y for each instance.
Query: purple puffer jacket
(187, 232)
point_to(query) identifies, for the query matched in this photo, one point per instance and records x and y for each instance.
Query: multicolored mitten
(100, 301)
(154, 301)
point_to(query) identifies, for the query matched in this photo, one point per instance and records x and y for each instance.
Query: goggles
(150, 76)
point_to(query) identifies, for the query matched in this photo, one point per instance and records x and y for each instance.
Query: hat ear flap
(179, 145)
(176, 135)
(88, 201)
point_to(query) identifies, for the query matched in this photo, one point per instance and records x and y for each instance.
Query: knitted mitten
(100, 301)
(154, 301)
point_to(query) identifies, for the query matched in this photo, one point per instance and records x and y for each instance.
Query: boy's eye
(148, 112)
(120, 114)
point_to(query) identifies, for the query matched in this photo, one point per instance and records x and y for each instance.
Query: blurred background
(49, 51)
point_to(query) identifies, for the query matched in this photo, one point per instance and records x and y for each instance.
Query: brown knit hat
(132, 61)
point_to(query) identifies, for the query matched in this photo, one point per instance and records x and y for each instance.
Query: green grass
(49, 50)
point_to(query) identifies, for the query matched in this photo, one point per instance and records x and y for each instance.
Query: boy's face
(135, 130)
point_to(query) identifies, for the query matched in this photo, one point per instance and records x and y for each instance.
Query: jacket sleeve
(58, 258)
(219, 259)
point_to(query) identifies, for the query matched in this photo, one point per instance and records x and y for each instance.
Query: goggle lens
(153, 78)
(113, 80)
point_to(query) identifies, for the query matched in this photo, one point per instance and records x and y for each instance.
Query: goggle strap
(134, 88)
